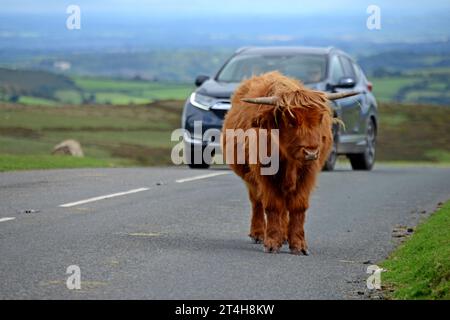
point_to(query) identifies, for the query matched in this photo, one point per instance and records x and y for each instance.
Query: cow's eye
(291, 123)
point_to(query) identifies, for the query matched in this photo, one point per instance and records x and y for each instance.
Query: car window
(309, 68)
(348, 67)
(357, 72)
(336, 71)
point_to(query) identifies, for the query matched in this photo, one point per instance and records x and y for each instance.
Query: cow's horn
(340, 95)
(262, 100)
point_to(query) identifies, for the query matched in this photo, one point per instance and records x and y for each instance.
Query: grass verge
(32, 162)
(420, 267)
(138, 135)
(413, 133)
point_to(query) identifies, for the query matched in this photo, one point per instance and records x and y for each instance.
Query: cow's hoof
(272, 245)
(256, 238)
(298, 252)
(271, 249)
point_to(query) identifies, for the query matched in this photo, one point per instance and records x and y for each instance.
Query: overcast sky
(224, 7)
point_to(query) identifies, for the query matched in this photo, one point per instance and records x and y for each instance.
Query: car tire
(199, 166)
(366, 160)
(331, 161)
(190, 158)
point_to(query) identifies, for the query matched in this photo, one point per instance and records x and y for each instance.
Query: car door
(351, 106)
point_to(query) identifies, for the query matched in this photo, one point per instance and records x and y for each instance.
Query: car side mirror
(200, 79)
(345, 82)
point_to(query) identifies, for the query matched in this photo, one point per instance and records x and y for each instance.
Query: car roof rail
(242, 49)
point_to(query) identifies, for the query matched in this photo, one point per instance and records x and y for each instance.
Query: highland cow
(304, 122)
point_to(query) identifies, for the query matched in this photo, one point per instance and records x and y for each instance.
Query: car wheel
(191, 158)
(198, 166)
(366, 160)
(331, 161)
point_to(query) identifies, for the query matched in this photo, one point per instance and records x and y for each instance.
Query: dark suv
(325, 69)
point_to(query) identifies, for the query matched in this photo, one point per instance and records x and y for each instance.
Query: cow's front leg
(285, 225)
(274, 236)
(296, 231)
(258, 222)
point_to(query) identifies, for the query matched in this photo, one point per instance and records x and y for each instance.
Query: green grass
(32, 86)
(140, 134)
(44, 88)
(31, 162)
(427, 164)
(413, 133)
(428, 71)
(438, 155)
(30, 100)
(418, 94)
(386, 88)
(421, 85)
(159, 116)
(133, 135)
(117, 91)
(69, 96)
(106, 84)
(415, 86)
(438, 86)
(420, 267)
(118, 98)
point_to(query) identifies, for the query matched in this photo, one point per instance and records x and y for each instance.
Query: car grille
(221, 108)
(220, 113)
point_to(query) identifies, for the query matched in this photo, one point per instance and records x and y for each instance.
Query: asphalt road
(188, 239)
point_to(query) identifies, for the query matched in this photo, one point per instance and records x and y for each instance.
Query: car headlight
(201, 101)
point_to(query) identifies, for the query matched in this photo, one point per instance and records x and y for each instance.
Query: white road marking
(6, 219)
(145, 234)
(108, 196)
(203, 176)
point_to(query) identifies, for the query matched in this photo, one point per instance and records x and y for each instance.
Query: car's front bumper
(190, 141)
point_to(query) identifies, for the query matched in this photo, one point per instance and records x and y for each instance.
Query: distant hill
(15, 84)
(45, 88)
(34, 82)
(402, 73)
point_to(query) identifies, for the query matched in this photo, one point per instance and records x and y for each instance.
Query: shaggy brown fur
(304, 120)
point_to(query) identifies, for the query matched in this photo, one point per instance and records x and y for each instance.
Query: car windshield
(309, 68)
